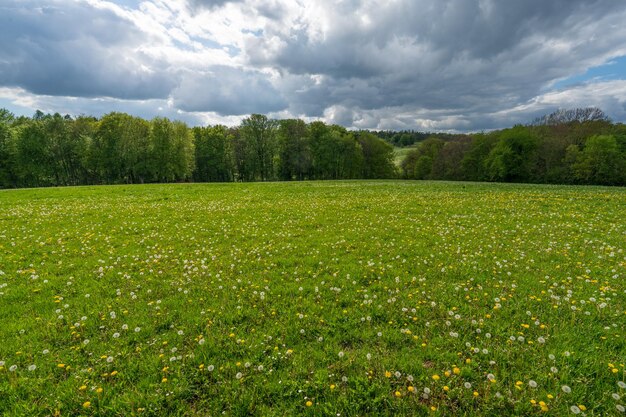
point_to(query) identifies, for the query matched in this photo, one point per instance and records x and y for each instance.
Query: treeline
(567, 147)
(53, 150)
(578, 146)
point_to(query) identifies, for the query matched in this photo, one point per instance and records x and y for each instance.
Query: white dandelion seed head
(566, 389)
(239, 375)
(31, 368)
(574, 409)
(532, 384)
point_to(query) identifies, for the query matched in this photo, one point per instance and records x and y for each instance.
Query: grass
(400, 153)
(314, 298)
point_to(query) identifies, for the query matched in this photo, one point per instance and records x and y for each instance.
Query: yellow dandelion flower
(309, 403)
(86, 404)
(398, 394)
(436, 377)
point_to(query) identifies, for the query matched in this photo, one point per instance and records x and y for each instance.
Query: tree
(294, 150)
(513, 157)
(418, 164)
(377, 157)
(8, 151)
(260, 132)
(600, 162)
(563, 116)
(213, 154)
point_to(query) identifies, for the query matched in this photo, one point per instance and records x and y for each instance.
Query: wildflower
(86, 404)
(32, 368)
(309, 403)
(574, 409)
(398, 394)
(532, 384)
(566, 389)
(436, 377)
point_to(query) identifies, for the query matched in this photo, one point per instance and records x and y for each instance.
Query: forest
(580, 146)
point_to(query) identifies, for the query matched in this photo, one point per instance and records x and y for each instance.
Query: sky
(429, 65)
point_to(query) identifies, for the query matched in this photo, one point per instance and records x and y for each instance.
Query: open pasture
(316, 298)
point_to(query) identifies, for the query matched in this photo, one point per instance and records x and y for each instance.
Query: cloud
(394, 64)
(228, 91)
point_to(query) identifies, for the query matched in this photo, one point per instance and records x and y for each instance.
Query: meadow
(314, 298)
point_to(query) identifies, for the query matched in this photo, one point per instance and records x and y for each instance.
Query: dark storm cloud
(73, 49)
(472, 57)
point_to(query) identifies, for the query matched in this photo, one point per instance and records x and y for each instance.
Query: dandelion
(31, 368)
(436, 377)
(13, 368)
(137, 329)
(566, 389)
(467, 385)
(398, 394)
(621, 384)
(110, 359)
(239, 375)
(532, 384)
(86, 404)
(574, 409)
(341, 354)
(620, 408)
(116, 335)
(210, 368)
(309, 403)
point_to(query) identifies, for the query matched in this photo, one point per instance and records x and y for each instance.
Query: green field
(314, 298)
